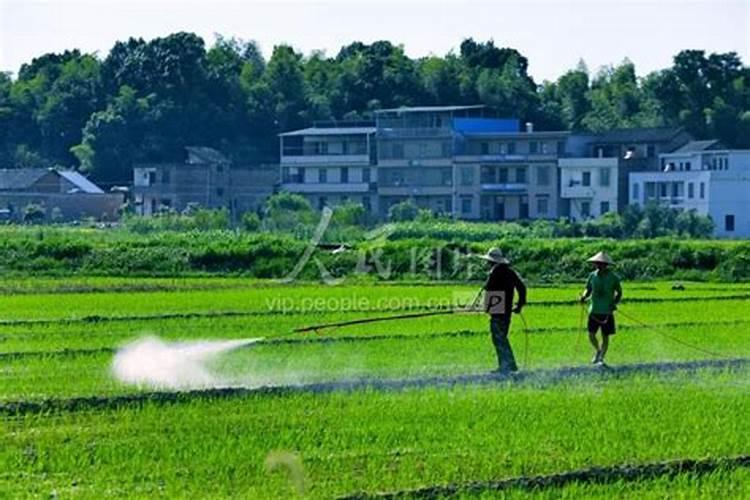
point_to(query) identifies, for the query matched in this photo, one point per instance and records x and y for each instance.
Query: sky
(553, 34)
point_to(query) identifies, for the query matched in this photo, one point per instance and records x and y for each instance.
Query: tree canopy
(146, 100)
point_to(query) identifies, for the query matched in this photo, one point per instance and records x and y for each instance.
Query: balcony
(408, 132)
(577, 191)
(324, 159)
(319, 187)
(505, 187)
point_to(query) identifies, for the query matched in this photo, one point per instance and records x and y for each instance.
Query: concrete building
(506, 174)
(64, 195)
(705, 177)
(206, 178)
(589, 187)
(594, 175)
(448, 159)
(330, 164)
(415, 155)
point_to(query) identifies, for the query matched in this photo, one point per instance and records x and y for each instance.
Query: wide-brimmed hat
(602, 258)
(495, 255)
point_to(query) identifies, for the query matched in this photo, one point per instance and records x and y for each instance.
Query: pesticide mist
(152, 362)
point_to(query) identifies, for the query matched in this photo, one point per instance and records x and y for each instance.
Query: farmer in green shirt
(604, 290)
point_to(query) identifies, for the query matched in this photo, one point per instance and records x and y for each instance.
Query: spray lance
(441, 312)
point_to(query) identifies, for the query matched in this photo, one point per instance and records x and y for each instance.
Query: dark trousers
(499, 327)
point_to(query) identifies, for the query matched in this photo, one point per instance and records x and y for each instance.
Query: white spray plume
(152, 362)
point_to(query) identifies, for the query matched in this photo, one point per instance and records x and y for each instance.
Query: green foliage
(288, 212)
(250, 222)
(403, 211)
(199, 219)
(146, 100)
(350, 214)
(33, 213)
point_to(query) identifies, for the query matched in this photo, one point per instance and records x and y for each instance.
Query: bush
(250, 222)
(403, 211)
(33, 213)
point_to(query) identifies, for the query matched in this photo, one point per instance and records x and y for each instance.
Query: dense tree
(146, 100)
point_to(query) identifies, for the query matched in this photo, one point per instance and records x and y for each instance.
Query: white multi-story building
(330, 165)
(705, 177)
(589, 186)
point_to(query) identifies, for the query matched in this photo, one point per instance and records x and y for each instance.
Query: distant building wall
(70, 207)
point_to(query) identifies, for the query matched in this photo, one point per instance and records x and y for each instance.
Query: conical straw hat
(495, 255)
(602, 257)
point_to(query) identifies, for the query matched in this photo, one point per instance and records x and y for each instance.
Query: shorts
(604, 321)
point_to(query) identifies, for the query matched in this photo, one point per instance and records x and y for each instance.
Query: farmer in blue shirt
(604, 289)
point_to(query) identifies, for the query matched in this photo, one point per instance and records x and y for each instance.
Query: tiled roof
(330, 131)
(427, 109)
(625, 135)
(80, 182)
(16, 179)
(694, 146)
(202, 154)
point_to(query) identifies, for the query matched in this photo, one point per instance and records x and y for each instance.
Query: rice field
(370, 409)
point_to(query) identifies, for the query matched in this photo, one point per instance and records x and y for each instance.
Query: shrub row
(112, 252)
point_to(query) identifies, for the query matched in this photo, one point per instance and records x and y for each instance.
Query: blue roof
(485, 125)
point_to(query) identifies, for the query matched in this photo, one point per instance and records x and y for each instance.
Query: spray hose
(670, 337)
(526, 341)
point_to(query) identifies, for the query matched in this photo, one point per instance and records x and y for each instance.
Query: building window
(467, 176)
(521, 175)
(467, 203)
(691, 190)
(322, 202)
(447, 150)
(729, 222)
(524, 208)
(366, 174)
(542, 176)
(446, 176)
(636, 193)
(603, 207)
(165, 176)
(366, 203)
(344, 175)
(560, 148)
(487, 175)
(503, 175)
(650, 151)
(585, 209)
(702, 190)
(398, 151)
(687, 165)
(586, 179)
(423, 149)
(542, 205)
(604, 175)
(650, 191)
(485, 148)
(151, 178)
(533, 147)
(219, 192)
(322, 175)
(662, 190)
(220, 169)
(511, 148)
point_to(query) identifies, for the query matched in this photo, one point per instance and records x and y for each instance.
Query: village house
(703, 176)
(205, 178)
(55, 196)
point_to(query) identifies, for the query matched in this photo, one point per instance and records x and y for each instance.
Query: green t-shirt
(603, 287)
